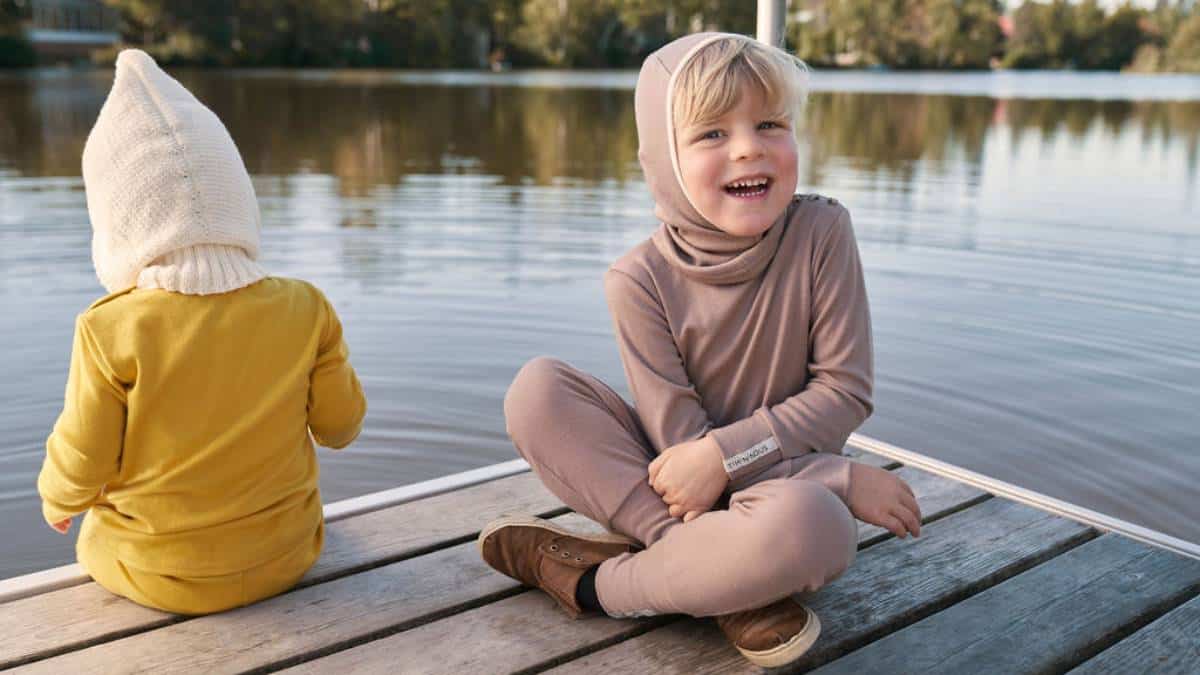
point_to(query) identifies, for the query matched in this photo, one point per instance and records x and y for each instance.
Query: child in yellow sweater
(193, 387)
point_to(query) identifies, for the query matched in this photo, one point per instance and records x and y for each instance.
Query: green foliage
(900, 33)
(615, 33)
(1061, 34)
(942, 34)
(563, 33)
(1183, 53)
(1039, 35)
(249, 32)
(11, 14)
(1107, 42)
(962, 34)
(1148, 59)
(15, 50)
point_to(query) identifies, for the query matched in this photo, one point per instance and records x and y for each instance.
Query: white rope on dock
(1037, 500)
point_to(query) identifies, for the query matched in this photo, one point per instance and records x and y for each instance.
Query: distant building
(70, 29)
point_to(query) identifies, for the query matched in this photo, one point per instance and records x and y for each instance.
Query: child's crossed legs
(781, 534)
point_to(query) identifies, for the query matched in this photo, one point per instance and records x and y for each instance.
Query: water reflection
(368, 135)
(1034, 267)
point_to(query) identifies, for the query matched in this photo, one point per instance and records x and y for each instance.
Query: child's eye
(708, 135)
(770, 124)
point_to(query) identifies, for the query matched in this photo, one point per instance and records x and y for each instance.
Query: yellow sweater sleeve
(83, 451)
(336, 405)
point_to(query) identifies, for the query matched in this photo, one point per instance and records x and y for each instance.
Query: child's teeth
(748, 183)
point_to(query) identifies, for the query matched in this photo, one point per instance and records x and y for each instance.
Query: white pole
(771, 17)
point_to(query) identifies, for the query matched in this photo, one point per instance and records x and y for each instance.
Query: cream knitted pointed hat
(170, 201)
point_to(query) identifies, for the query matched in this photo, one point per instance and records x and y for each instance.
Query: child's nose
(747, 146)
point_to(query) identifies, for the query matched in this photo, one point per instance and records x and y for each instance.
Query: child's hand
(881, 498)
(62, 526)
(689, 477)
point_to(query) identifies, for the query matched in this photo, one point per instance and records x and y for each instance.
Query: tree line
(900, 34)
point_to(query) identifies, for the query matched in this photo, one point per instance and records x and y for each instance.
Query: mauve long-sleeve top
(774, 360)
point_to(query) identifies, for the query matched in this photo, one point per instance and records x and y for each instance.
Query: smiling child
(745, 335)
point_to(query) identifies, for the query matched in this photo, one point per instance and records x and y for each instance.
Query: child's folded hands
(881, 498)
(689, 477)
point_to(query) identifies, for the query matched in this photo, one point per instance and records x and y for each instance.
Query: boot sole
(541, 523)
(789, 651)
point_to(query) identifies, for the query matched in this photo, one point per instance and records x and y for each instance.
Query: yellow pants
(196, 595)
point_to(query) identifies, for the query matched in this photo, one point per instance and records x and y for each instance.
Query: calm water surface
(1033, 263)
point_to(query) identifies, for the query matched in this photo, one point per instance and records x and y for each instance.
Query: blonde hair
(712, 81)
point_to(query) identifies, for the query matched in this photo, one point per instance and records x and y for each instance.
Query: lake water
(1031, 244)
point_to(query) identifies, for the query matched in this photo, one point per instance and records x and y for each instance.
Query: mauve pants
(782, 533)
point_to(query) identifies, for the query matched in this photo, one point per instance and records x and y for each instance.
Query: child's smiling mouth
(748, 188)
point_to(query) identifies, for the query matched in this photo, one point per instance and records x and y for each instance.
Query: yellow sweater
(185, 428)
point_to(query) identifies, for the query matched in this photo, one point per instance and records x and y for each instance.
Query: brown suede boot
(772, 636)
(543, 555)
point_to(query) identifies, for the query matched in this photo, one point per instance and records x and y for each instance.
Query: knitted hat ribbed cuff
(167, 189)
(204, 269)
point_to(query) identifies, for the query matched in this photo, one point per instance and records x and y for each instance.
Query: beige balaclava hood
(686, 239)
(169, 198)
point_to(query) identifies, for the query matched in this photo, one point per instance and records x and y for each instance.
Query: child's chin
(745, 228)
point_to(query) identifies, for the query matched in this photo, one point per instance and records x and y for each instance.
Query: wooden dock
(991, 586)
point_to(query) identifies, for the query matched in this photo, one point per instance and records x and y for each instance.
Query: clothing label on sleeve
(750, 455)
(635, 614)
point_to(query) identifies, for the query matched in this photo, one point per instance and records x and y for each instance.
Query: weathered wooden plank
(1044, 620)
(1168, 646)
(42, 581)
(503, 637)
(500, 637)
(521, 633)
(322, 617)
(382, 536)
(890, 585)
(73, 618)
(229, 639)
